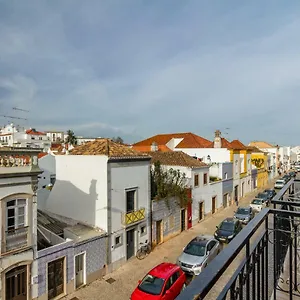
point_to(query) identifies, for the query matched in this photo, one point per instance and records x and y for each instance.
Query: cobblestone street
(125, 279)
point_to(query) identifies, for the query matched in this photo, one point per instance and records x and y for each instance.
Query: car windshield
(280, 181)
(243, 211)
(195, 249)
(227, 226)
(262, 195)
(151, 285)
(257, 202)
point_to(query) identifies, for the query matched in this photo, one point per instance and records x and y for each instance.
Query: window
(118, 240)
(16, 214)
(205, 178)
(130, 200)
(143, 230)
(196, 180)
(52, 179)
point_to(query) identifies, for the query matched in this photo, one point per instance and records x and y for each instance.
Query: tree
(118, 140)
(71, 138)
(169, 183)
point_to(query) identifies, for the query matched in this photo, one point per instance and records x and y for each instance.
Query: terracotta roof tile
(261, 144)
(175, 158)
(42, 154)
(107, 147)
(190, 140)
(34, 132)
(162, 148)
(236, 144)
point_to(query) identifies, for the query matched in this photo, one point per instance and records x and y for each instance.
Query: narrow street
(124, 280)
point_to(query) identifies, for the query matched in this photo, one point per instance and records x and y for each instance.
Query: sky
(136, 68)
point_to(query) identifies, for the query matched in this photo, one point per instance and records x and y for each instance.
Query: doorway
(213, 204)
(16, 284)
(130, 243)
(201, 211)
(242, 193)
(56, 278)
(158, 231)
(79, 270)
(225, 200)
(182, 219)
(236, 194)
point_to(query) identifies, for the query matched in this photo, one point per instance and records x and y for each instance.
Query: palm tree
(71, 138)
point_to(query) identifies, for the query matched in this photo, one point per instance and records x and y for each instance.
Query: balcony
(133, 217)
(263, 261)
(16, 239)
(18, 160)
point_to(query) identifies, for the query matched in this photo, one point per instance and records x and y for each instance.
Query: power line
(11, 117)
(16, 108)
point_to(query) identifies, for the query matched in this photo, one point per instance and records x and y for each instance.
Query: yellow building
(259, 159)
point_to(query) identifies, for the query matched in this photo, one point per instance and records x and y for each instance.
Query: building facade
(105, 185)
(18, 185)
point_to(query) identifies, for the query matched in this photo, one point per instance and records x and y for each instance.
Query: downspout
(109, 226)
(150, 205)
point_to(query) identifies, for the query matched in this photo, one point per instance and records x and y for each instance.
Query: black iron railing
(261, 262)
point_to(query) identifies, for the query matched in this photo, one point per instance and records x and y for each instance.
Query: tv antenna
(20, 109)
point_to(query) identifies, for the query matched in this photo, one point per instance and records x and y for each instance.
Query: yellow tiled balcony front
(133, 216)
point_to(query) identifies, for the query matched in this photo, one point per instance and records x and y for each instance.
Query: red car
(164, 282)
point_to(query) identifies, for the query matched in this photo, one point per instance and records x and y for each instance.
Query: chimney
(217, 140)
(154, 147)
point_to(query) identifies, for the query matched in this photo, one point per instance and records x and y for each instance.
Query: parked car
(244, 214)
(227, 230)
(292, 174)
(258, 204)
(198, 253)
(265, 197)
(165, 281)
(279, 184)
(271, 192)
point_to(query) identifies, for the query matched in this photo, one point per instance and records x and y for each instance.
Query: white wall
(80, 190)
(124, 176)
(216, 154)
(46, 164)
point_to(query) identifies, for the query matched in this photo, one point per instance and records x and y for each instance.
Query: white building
(18, 184)
(55, 136)
(295, 154)
(15, 136)
(105, 185)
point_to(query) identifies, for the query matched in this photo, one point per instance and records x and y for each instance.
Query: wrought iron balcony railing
(133, 216)
(262, 261)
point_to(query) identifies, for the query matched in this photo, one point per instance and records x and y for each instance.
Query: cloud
(141, 68)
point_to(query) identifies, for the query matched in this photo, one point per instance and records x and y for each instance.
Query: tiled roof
(34, 132)
(261, 144)
(236, 144)
(42, 154)
(254, 149)
(162, 148)
(175, 158)
(190, 140)
(107, 147)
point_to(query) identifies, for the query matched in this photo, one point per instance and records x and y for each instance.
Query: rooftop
(175, 158)
(33, 131)
(189, 140)
(261, 144)
(107, 147)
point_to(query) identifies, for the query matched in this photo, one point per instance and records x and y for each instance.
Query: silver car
(244, 214)
(198, 253)
(279, 184)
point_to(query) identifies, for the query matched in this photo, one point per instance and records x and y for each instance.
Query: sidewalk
(127, 276)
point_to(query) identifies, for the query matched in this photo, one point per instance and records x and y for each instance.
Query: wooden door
(16, 284)
(182, 219)
(130, 243)
(213, 204)
(56, 278)
(200, 211)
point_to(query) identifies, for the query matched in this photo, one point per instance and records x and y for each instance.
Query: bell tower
(217, 140)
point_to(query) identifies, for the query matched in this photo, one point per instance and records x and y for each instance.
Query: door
(16, 284)
(213, 204)
(158, 231)
(200, 211)
(79, 270)
(189, 215)
(130, 243)
(182, 219)
(242, 194)
(225, 200)
(56, 278)
(236, 194)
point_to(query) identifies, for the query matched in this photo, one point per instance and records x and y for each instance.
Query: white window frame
(16, 216)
